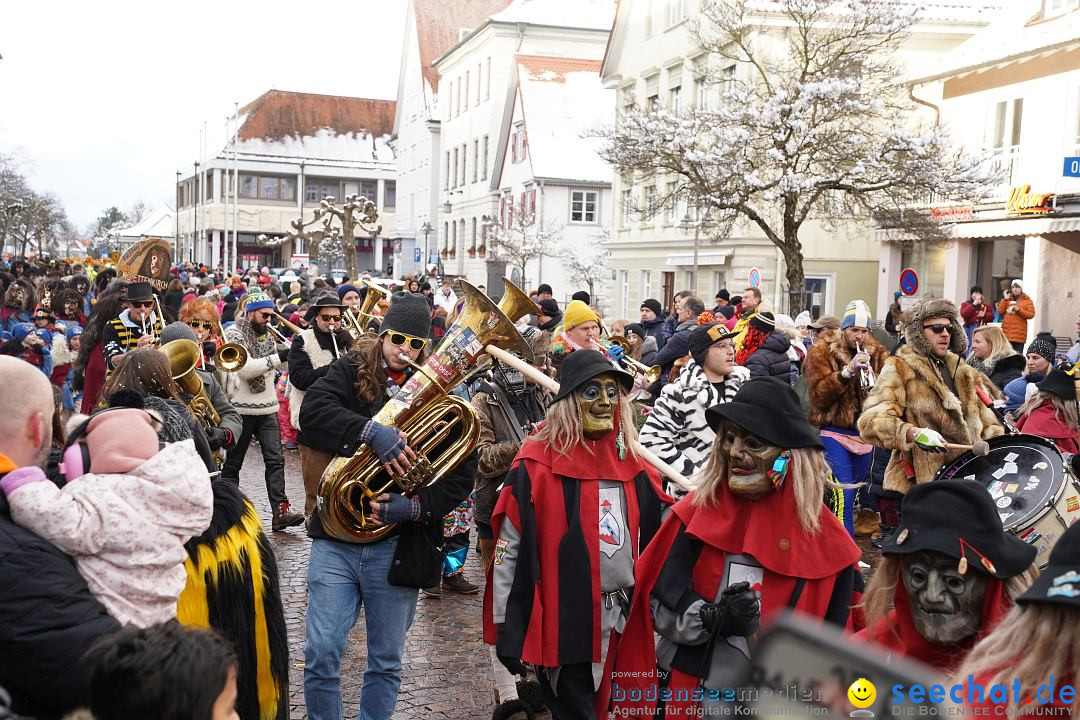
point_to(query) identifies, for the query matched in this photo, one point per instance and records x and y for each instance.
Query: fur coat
(834, 400)
(910, 392)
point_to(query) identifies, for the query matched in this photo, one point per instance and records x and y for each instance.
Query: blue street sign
(754, 278)
(1072, 167)
(416, 255)
(909, 281)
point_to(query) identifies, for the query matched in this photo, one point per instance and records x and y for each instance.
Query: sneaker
(435, 591)
(290, 446)
(284, 517)
(458, 583)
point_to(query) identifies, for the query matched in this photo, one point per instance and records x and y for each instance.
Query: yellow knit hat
(578, 313)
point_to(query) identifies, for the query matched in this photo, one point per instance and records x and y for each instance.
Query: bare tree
(587, 263)
(137, 212)
(813, 123)
(329, 242)
(37, 224)
(522, 239)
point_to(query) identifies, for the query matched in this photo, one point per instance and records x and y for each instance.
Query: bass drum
(1036, 494)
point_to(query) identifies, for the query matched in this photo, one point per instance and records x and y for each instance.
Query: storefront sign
(1024, 202)
(952, 213)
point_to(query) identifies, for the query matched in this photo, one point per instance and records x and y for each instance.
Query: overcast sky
(103, 101)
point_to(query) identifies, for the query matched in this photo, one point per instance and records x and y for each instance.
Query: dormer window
(1054, 8)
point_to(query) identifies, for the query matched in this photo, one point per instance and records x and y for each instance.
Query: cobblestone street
(446, 666)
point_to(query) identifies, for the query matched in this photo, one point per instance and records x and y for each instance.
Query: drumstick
(980, 448)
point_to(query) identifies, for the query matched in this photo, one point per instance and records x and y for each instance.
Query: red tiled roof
(558, 66)
(278, 113)
(438, 26)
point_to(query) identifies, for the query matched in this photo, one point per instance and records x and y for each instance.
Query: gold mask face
(749, 459)
(596, 401)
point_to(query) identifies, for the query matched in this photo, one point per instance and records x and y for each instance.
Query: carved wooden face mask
(946, 606)
(749, 461)
(596, 401)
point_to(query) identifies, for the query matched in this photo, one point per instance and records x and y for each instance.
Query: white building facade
(1013, 91)
(548, 169)
(651, 61)
(292, 150)
(474, 76)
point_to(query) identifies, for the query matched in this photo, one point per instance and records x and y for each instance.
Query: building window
(315, 189)
(268, 188)
(650, 203)
(446, 171)
(719, 282)
(487, 78)
(369, 190)
(389, 195)
(455, 168)
(484, 169)
(1007, 120)
(465, 93)
(464, 153)
(473, 246)
(646, 284)
(648, 18)
(209, 194)
(475, 159)
(249, 186)
(517, 139)
(727, 83)
(627, 207)
(670, 207)
(624, 292)
(674, 103)
(583, 206)
(701, 94)
(676, 11)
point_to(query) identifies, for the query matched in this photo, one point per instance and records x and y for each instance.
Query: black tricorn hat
(323, 302)
(768, 408)
(581, 366)
(958, 518)
(139, 291)
(1059, 583)
(1060, 383)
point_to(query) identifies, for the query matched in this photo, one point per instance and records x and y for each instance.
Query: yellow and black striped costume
(119, 338)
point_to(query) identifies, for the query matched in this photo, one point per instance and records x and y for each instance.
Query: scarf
(258, 346)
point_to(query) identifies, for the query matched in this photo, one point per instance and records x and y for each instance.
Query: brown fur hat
(918, 313)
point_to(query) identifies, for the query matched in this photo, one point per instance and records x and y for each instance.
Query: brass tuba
(515, 304)
(365, 320)
(442, 428)
(183, 358)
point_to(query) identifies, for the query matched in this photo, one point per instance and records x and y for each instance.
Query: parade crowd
(138, 580)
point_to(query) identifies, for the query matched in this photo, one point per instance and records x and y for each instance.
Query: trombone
(634, 367)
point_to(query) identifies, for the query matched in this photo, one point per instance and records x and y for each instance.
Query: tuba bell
(443, 429)
(183, 357)
(365, 320)
(515, 304)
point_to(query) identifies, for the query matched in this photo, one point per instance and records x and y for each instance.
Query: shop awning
(998, 228)
(705, 257)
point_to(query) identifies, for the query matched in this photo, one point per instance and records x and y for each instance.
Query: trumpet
(867, 379)
(634, 367)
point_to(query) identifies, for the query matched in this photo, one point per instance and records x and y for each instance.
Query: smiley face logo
(862, 693)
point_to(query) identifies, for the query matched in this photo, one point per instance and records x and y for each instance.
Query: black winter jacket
(655, 329)
(48, 619)
(1006, 370)
(771, 358)
(332, 417)
(677, 346)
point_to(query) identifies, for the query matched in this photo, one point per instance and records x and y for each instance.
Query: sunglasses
(938, 328)
(415, 343)
(142, 303)
(330, 318)
(200, 324)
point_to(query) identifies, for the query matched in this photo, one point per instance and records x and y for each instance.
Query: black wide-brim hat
(937, 515)
(324, 302)
(581, 366)
(1060, 383)
(1059, 583)
(139, 291)
(768, 408)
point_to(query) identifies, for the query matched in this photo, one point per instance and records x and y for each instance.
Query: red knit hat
(120, 440)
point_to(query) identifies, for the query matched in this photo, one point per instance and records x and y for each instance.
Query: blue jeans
(342, 577)
(847, 468)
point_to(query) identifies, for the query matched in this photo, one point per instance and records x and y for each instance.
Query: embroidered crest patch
(500, 551)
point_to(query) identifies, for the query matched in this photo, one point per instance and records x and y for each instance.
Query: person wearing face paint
(383, 577)
(950, 573)
(927, 396)
(1036, 641)
(18, 302)
(676, 429)
(577, 508)
(833, 376)
(753, 540)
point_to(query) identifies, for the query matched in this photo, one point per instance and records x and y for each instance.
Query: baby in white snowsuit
(126, 521)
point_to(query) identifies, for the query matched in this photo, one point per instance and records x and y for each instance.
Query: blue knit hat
(857, 314)
(258, 300)
(21, 330)
(342, 289)
(73, 332)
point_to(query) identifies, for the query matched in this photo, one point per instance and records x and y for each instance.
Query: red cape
(896, 631)
(1044, 422)
(552, 627)
(768, 530)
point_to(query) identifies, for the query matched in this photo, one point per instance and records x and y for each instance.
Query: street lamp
(427, 229)
(686, 224)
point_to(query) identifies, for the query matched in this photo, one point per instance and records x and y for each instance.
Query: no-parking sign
(909, 281)
(754, 278)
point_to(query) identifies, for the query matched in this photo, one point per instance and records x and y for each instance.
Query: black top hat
(581, 366)
(139, 291)
(408, 313)
(324, 302)
(1060, 383)
(1059, 583)
(958, 518)
(768, 408)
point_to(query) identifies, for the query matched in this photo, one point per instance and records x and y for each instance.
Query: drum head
(1023, 474)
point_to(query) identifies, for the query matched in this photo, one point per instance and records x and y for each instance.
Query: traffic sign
(416, 255)
(1072, 167)
(754, 278)
(909, 281)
